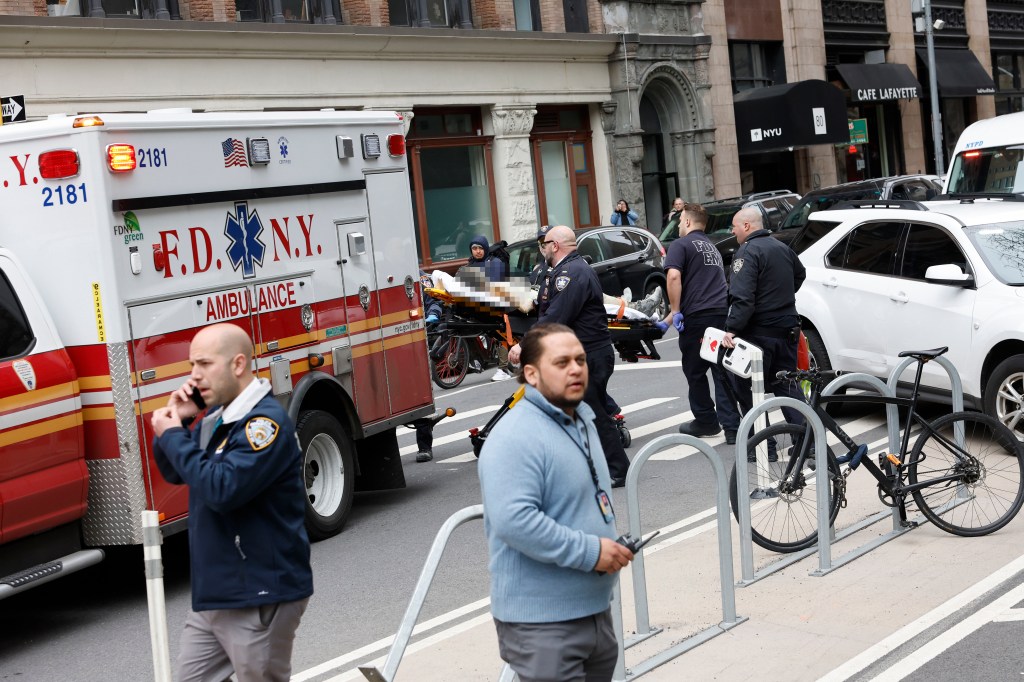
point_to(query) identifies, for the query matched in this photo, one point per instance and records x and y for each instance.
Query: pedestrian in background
(549, 521)
(571, 295)
(766, 275)
(623, 215)
(673, 216)
(251, 576)
(698, 297)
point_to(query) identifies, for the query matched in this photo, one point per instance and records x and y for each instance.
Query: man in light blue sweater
(549, 521)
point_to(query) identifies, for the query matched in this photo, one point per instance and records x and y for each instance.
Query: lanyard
(585, 449)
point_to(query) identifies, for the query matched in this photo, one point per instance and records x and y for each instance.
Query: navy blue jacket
(246, 506)
(492, 266)
(570, 293)
(766, 275)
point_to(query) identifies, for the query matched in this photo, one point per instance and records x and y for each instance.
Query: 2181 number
(64, 195)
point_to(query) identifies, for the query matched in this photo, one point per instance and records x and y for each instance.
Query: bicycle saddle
(924, 355)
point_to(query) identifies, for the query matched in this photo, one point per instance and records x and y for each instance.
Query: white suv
(915, 276)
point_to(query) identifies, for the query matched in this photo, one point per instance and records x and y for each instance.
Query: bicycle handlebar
(812, 375)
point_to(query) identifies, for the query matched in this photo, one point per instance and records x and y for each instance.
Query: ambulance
(122, 235)
(988, 160)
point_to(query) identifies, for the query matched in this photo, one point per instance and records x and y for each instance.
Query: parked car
(622, 257)
(900, 187)
(924, 275)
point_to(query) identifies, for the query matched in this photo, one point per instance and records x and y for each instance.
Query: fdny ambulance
(122, 235)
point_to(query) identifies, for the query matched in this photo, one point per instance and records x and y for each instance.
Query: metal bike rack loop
(743, 495)
(729, 617)
(419, 595)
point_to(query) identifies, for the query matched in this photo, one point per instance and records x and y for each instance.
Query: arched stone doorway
(675, 157)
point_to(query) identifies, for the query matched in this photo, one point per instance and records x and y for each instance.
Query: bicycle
(968, 490)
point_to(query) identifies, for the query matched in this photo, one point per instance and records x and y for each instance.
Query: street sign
(859, 131)
(13, 108)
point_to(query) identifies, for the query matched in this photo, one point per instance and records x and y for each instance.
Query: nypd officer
(766, 275)
(570, 294)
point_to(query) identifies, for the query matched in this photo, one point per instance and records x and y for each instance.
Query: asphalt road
(94, 625)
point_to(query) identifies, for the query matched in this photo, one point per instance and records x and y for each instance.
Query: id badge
(604, 503)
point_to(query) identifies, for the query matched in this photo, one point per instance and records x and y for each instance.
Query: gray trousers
(579, 650)
(254, 643)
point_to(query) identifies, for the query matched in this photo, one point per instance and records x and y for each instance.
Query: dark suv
(773, 206)
(905, 187)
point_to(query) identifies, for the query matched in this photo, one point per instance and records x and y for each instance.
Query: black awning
(790, 116)
(958, 73)
(878, 82)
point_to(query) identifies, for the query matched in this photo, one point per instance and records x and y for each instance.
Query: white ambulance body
(134, 231)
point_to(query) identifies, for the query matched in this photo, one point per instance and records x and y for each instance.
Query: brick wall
(23, 8)
(485, 14)
(552, 16)
(357, 12)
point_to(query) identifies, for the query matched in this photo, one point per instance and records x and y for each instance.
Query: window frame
(17, 308)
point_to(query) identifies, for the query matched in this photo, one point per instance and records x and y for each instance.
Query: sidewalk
(799, 627)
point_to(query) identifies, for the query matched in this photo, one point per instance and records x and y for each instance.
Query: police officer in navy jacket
(251, 575)
(570, 294)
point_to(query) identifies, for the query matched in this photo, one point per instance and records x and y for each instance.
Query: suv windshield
(720, 217)
(991, 170)
(1002, 247)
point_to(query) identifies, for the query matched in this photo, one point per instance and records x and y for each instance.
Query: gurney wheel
(625, 436)
(450, 370)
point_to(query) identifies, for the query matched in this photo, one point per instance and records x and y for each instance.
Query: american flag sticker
(234, 153)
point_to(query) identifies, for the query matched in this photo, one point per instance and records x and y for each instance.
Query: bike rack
(743, 434)
(644, 631)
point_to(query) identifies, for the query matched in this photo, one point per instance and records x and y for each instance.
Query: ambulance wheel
(328, 471)
(450, 370)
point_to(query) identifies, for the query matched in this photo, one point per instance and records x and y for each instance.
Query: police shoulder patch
(261, 432)
(561, 282)
(737, 265)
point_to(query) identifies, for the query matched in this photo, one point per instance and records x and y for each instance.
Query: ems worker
(570, 294)
(251, 576)
(698, 295)
(766, 275)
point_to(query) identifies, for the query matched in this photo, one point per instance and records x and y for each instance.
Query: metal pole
(151, 539)
(933, 88)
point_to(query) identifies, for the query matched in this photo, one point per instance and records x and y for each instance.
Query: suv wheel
(1004, 394)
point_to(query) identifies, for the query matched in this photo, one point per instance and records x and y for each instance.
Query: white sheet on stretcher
(513, 294)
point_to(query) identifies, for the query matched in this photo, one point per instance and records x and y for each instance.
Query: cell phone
(197, 398)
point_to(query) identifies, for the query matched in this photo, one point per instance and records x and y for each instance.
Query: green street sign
(858, 131)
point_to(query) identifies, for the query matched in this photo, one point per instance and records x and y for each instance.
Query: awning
(790, 116)
(958, 73)
(879, 82)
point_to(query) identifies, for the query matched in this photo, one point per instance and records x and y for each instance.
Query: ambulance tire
(328, 469)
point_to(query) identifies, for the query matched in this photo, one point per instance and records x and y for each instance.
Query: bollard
(151, 539)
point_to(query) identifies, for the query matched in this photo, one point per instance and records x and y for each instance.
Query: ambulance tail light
(59, 164)
(121, 158)
(396, 145)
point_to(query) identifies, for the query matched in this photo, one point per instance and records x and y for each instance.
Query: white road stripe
(950, 637)
(913, 629)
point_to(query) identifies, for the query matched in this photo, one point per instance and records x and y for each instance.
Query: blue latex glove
(662, 326)
(677, 322)
(431, 319)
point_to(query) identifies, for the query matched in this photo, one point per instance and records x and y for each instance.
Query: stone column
(513, 171)
(976, 18)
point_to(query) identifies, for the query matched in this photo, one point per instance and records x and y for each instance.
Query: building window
(755, 65)
(527, 14)
(576, 19)
(1008, 68)
(563, 161)
(292, 11)
(452, 183)
(434, 13)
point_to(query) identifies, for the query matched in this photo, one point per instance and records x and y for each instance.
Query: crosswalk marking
(452, 437)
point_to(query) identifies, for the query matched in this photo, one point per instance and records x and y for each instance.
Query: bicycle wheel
(450, 370)
(989, 487)
(784, 502)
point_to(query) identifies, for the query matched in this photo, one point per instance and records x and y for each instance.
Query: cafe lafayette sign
(878, 94)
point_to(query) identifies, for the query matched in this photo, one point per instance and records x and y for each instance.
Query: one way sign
(13, 108)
